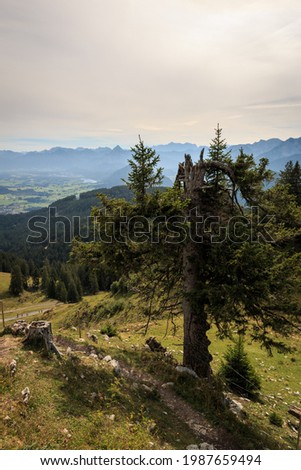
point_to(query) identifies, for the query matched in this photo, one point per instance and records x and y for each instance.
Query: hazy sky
(100, 72)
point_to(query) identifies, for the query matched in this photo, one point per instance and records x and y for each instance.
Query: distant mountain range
(107, 166)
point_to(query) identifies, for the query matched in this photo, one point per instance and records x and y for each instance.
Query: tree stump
(40, 332)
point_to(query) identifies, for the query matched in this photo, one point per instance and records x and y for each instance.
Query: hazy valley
(32, 180)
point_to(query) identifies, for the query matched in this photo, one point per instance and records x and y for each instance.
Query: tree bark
(196, 343)
(41, 332)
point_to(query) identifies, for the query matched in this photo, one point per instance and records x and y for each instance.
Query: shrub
(275, 419)
(109, 330)
(238, 372)
(119, 287)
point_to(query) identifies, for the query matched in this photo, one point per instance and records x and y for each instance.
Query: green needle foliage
(16, 283)
(231, 269)
(238, 371)
(144, 173)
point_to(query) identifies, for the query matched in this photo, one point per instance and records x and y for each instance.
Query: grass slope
(4, 285)
(72, 400)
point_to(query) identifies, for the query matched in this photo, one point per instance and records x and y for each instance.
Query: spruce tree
(25, 272)
(45, 277)
(218, 153)
(61, 292)
(238, 371)
(291, 176)
(35, 278)
(218, 148)
(234, 278)
(143, 174)
(16, 282)
(93, 283)
(72, 295)
(51, 290)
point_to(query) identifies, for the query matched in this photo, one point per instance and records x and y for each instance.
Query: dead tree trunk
(191, 178)
(196, 342)
(40, 332)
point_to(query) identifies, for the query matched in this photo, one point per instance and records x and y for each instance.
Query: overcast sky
(100, 72)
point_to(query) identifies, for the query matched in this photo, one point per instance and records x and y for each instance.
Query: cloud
(76, 68)
(263, 106)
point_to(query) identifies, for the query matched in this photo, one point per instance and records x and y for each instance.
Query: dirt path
(23, 312)
(203, 430)
(196, 421)
(27, 314)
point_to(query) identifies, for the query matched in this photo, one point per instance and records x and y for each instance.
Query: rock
(66, 432)
(69, 351)
(93, 337)
(112, 417)
(236, 407)
(94, 356)
(26, 395)
(107, 359)
(116, 367)
(296, 394)
(7, 418)
(147, 389)
(192, 447)
(167, 385)
(151, 427)
(114, 363)
(13, 367)
(206, 446)
(106, 337)
(82, 376)
(168, 354)
(19, 328)
(186, 370)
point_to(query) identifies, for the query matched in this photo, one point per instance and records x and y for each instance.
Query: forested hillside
(212, 262)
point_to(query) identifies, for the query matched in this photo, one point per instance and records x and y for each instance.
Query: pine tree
(238, 371)
(35, 278)
(233, 278)
(77, 283)
(45, 277)
(218, 153)
(93, 283)
(16, 282)
(51, 290)
(61, 292)
(143, 174)
(25, 272)
(218, 148)
(291, 176)
(72, 295)
(31, 267)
